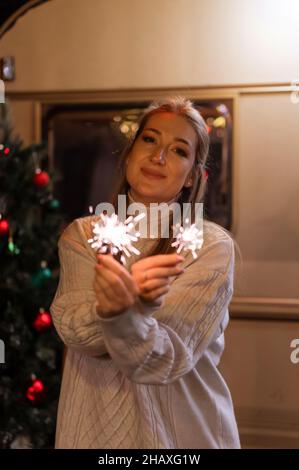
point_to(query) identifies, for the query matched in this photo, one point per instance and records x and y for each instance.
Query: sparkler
(115, 237)
(188, 238)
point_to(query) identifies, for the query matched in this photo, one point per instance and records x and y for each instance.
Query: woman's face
(161, 160)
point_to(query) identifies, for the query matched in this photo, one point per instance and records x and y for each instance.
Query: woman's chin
(147, 196)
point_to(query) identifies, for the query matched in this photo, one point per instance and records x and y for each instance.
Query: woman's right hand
(152, 275)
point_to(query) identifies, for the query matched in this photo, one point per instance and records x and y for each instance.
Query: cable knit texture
(148, 378)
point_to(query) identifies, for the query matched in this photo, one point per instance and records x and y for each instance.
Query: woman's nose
(159, 155)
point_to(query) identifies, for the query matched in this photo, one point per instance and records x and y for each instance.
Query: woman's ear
(189, 181)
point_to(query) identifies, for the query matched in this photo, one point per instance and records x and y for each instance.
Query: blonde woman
(144, 341)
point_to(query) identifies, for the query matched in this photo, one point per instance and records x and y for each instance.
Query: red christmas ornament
(43, 321)
(34, 392)
(4, 150)
(206, 176)
(4, 227)
(41, 178)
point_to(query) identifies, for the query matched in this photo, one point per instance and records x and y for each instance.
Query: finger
(154, 294)
(103, 288)
(101, 297)
(162, 260)
(154, 284)
(103, 284)
(110, 263)
(164, 272)
(114, 284)
(100, 283)
(107, 301)
(110, 280)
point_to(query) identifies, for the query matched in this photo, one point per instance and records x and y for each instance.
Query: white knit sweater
(145, 380)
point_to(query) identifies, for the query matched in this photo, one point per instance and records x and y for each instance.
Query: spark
(115, 237)
(188, 238)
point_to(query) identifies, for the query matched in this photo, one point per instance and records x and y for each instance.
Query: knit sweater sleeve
(160, 347)
(74, 306)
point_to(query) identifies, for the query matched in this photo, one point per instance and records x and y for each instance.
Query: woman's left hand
(115, 287)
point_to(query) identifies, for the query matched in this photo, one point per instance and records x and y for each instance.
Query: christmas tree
(30, 224)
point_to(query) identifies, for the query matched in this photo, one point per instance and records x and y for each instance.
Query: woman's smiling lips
(152, 173)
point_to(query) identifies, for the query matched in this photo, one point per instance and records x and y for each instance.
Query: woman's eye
(148, 139)
(180, 151)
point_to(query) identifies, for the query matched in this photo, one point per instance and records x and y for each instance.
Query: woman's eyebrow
(179, 139)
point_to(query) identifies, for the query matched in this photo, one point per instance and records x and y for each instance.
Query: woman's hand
(152, 275)
(115, 287)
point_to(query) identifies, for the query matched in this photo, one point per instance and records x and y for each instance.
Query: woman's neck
(147, 205)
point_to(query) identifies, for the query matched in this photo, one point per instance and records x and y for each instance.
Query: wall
(263, 381)
(268, 195)
(99, 45)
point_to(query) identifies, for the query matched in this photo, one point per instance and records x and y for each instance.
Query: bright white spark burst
(188, 238)
(113, 236)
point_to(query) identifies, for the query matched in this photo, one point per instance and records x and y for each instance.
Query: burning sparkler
(115, 237)
(188, 238)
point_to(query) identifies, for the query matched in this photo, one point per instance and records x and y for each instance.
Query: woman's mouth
(152, 174)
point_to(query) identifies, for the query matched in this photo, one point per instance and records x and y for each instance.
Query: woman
(144, 341)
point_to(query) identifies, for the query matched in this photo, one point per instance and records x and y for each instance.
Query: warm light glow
(219, 122)
(124, 128)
